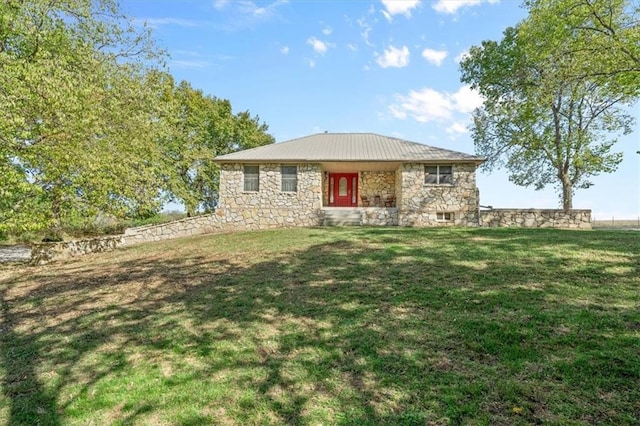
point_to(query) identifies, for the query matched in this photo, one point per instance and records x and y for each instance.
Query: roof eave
(334, 160)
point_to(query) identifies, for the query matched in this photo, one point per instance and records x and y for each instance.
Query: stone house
(365, 178)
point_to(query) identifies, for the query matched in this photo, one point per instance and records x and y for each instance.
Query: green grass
(330, 326)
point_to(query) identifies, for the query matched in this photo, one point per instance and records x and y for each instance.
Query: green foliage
(81, 227)
(602, 35)
(204, 127)
(91, 127)
(80, 114)
(21, 202)
(545, 118)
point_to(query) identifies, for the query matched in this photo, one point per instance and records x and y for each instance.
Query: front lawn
(329, 326)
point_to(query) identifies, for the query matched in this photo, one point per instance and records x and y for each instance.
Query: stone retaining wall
(223, 220)
(42, 253)
(203, 224)
(536, 218)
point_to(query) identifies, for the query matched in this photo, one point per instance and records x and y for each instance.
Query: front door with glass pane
(343, 189)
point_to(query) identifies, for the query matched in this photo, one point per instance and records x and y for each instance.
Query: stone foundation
(536, 218)
(373, 216)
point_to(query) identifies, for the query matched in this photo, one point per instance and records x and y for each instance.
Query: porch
(363, 185)
(359, 216)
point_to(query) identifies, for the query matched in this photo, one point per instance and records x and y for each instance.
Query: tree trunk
(567, 194)
(55, 229)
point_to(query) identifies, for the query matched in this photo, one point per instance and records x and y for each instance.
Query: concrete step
(341, 222)
(340, 217)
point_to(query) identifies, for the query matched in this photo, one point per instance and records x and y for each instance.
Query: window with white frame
(438, 175)
(251, 178)
(444, 216)
(289, 178)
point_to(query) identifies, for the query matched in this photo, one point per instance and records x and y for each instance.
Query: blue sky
(388, 67)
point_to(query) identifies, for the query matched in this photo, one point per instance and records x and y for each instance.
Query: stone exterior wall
(270, 206)
(325, 189)
(42, 253)
(377, 183)
(536, 218)
(420, 203)
(398, 188)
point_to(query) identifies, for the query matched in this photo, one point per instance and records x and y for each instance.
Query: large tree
(81, 106)
(204, 127)
(544, 117)
(603, 36)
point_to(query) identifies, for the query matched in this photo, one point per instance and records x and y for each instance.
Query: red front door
(343, 189)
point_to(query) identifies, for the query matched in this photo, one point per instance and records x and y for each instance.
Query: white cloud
(327, 30)
(248, 7)
(156, 22)
(399, 7)
(466, 99)
(319, 46)
(220, 4)
(366, 29)
(461, 56)
(352, 47)
(188, 64)
(434, 56)
(451, 6)
(431, 105)
(398, 112)
(285, 50)
(191, 59)
(457, 127)
(394, 57)
(311, 63)
(245, 13)
(423, 105)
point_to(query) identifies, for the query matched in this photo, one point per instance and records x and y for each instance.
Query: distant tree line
(92, 125)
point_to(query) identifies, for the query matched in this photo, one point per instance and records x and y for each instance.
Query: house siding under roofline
(417, 203)
(337, 170)
(270, 206)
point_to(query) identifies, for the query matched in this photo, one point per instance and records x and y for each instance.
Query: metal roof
(347, 147)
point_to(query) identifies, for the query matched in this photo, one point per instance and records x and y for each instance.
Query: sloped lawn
(330, 326)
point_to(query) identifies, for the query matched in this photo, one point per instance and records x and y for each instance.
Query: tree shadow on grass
(370, 326)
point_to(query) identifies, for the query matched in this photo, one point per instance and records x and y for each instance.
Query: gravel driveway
(15, 253)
